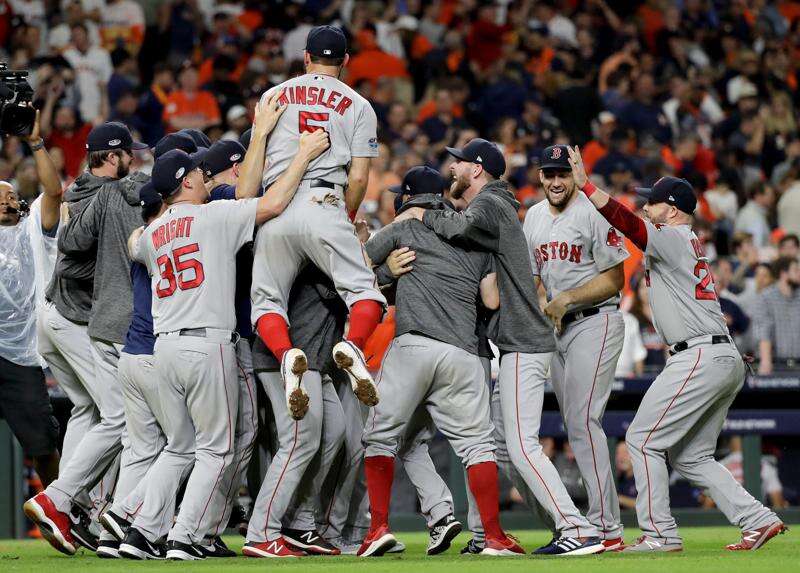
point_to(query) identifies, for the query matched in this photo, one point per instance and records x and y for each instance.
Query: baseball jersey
(190, 253)
(439, 299)
(572, 247)
(319, 101)
(680, 285)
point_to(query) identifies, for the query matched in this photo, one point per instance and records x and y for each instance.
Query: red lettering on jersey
(543, 249)
(154, 238)
(343, 105)
(284, 99)
(613, 239)
(330, 102)
(575, 253)
(300, 95)
(553, 247)
(180, 227)
(171, 230)
(189, 226)
(161, 236)
(313, 93)
(698, 248)
(538, 257)
(321, 97)
(562, 251)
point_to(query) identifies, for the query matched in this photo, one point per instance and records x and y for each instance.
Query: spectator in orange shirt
(122, 24)
(189, 107)
(459, 91)
(371, 63)
(598, 148)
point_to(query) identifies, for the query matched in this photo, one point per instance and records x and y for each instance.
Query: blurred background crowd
(703, 89)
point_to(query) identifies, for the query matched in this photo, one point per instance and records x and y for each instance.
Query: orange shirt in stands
(203, 103)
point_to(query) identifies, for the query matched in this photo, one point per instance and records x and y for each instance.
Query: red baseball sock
(364, 317)
(274, 331)
(483, 485)
(379, 471)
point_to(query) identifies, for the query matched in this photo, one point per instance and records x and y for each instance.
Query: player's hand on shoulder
(410, 213)
(578, 170)
(399, 261)
(267, 113)
(314, 143)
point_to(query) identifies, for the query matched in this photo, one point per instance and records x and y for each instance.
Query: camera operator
(24, 271)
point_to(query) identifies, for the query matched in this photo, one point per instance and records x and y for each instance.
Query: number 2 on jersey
(319, 119)
(168, 271)
(701, 291)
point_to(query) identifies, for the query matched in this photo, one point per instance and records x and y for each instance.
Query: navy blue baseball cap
(149, 199)
(110, 136)
(420, 180)
(326, 42)
(484, 153)
(222, 155)
(200, 138)
(555, 157)
(175, 140)
(672, 191)
(244, 139)
(170, 169)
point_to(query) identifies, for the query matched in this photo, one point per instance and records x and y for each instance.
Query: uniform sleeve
(139, 252)
(236, 220)
(80, 234)
(365, 136)
(382, 243)
(478, 226)
(663, 243)
(608, 244)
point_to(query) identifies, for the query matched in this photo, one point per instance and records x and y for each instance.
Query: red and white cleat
(612, 544)
(53, 524)
(377, 542)
(507, 547)
(277, 548)
(754, 538)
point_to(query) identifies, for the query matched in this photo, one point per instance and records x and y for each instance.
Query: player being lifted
(315, 226)
(682, 413)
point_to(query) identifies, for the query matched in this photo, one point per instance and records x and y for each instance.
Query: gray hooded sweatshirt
(103, 227)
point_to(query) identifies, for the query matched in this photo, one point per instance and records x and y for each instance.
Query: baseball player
(83, 357)
(315, 227)
(682, 413)
(189, 252)
(524, 336)
(433, 363)
(578, 258)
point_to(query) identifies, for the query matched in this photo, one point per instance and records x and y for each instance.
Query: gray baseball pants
(310, 229)
(680, 417)
(198, 392)
(582, 372)
(521, 394)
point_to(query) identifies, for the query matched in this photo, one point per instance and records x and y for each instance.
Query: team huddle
(244, 266)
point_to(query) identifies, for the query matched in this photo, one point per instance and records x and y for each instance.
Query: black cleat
(309, 541)
(177, 551)
(79, 528)
(108, 549)
(136, 546)
(238, 519)
(217, 548)
(472, 548)
(442, 533)
(114, 524)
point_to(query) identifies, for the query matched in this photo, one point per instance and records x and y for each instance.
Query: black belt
(315, 183)
(571, 317)
(716, 339)
(201, 333)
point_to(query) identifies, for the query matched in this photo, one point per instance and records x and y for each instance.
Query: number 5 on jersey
(311, 121)
(182, 264)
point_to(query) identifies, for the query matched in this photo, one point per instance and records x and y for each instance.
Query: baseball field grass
(703, 551)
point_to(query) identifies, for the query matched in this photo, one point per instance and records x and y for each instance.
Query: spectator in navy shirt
(644, 114)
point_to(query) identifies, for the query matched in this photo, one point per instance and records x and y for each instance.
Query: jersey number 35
(182, 264)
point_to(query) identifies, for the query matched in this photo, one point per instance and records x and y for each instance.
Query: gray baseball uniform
(682, 413)
(568, 250)
(315, 226)
(318, 316)
(525, 339)
(190, 253)
(433, 359)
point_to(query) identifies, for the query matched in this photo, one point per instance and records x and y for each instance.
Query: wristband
(589, 188)
(38, 145)
(352, 215)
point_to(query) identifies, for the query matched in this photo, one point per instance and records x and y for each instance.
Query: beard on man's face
(459, 186)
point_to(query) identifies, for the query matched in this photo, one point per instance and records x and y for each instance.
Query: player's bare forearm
(765, 356)
(267, 114)
(282, 191)
(490, 293)
(602, 287)
(48, 177)
(357, 180)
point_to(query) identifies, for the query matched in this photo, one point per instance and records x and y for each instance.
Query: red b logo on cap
(556, 153)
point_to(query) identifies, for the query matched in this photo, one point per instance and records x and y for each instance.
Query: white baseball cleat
(293, 366)
(349, 358)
